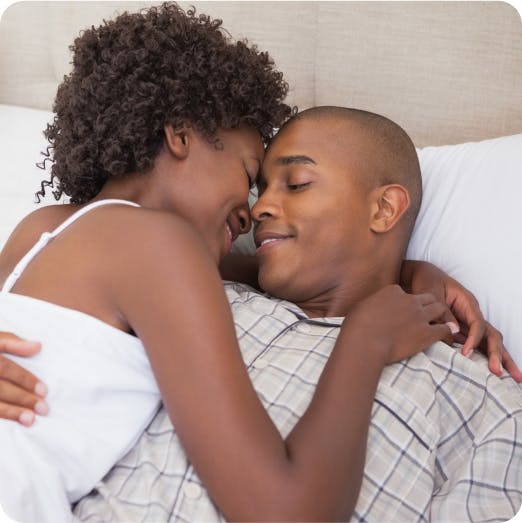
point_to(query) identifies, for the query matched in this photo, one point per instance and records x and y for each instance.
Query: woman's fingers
(441, 332)
(434, 312)
(437, 312)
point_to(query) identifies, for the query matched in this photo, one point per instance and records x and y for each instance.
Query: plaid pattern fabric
(445, 440)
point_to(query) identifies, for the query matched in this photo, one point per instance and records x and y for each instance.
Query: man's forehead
(311, 140)
(294, 140)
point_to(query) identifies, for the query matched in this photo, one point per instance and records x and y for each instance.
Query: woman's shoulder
(132, 224)
(145, 237)
(41, 220)
(29, 230)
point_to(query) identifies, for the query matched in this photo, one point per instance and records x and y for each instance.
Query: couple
(188, 163)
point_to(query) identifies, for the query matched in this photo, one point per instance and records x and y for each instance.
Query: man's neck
(337, 301)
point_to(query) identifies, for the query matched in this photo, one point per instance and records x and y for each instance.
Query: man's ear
(177, 140)
(389, 203)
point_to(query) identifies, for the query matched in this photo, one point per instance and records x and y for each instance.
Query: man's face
(312, 218)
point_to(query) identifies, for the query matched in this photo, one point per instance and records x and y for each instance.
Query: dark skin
(314, 474)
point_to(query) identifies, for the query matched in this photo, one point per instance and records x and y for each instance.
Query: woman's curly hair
(140, 71)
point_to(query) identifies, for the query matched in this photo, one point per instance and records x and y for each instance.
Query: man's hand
(21, 393)
(463, 310)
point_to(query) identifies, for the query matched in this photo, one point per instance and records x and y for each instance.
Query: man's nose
(265, 207)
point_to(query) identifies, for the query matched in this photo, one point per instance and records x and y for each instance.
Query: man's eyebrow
(298, 158)
(286, 160)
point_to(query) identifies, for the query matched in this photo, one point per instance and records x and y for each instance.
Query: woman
(158, 137)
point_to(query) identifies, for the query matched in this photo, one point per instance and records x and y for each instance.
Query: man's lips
(267, 239)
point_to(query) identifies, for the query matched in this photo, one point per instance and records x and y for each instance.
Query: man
(338, 197)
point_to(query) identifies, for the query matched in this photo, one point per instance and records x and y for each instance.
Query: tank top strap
(46, 237)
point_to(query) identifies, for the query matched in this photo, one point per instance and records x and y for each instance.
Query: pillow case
(469, 225)
(21, 140)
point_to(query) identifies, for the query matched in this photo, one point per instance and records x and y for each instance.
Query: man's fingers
(18, 397)
(476, 332)
(11, 372)
(494, 349)
(511, 367)
(12, 344)
(24, 416)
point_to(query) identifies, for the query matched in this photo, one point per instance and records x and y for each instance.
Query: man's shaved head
(388, 158)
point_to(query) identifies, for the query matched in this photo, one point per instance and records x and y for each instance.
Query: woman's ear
(389, 203)
(177, 140)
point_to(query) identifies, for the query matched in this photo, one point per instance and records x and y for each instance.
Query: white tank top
(46, 237)
(102, 395)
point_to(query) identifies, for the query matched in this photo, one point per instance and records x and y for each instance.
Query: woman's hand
(463, 310)
(21, 393)
(399, 324)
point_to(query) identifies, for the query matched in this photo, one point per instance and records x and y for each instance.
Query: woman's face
(222, 175)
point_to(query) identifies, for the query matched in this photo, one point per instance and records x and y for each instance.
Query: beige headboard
(447, 71)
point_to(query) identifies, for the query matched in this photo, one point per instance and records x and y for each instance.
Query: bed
(450, 73)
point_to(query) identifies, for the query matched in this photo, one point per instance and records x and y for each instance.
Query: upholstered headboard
(446, 71)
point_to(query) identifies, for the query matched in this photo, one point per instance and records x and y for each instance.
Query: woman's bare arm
(240, 267)
(172, 296)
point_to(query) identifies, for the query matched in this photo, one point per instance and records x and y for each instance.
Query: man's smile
(267, 239)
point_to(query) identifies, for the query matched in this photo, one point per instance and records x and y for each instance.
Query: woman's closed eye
(251, 181)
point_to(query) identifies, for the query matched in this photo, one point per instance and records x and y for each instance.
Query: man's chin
(273, 283)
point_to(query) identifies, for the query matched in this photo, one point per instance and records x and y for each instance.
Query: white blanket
(102, 394)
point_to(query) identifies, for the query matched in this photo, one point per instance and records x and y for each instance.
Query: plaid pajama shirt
(445, 439)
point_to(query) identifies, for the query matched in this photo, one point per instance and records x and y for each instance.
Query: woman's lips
(229, 238)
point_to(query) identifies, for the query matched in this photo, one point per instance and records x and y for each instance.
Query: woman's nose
(243, 216)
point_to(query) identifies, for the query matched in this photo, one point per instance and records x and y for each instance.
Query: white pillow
(21, 141)
(470, 225)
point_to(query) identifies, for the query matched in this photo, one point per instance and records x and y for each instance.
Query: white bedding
(102, 395)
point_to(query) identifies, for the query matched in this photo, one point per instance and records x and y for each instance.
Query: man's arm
(21, 393)
(463, 309)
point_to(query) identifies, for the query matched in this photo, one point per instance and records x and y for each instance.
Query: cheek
(232, 193)
(325, 241)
